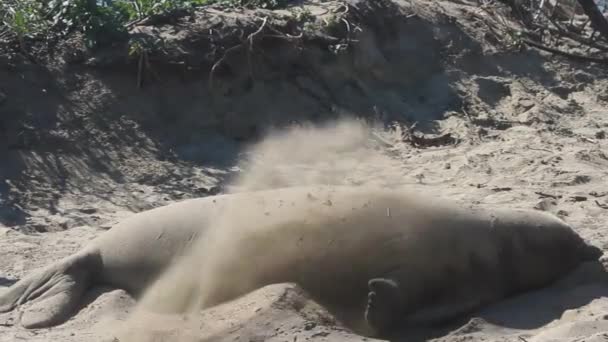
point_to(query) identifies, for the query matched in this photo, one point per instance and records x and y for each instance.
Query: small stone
(561, 91)
(64, 223)
(202, 190)
(40, 228)
(88, 210)
(309, 325)
(583, 77)
(578, 198)
(526, 104)
(598, 135)
(545, 204)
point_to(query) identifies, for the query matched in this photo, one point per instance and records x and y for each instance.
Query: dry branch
(573, 56)
(597, 18)
(247, 43)
(220, 61)
(560, 30)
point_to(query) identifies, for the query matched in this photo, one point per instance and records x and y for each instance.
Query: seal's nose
(590, 252)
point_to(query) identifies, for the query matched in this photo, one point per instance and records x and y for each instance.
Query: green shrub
(22, 17)
(101, 21)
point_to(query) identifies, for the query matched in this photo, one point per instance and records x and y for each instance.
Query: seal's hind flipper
(54, 292)
(384, 305)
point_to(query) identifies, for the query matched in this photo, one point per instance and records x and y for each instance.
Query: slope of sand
(574, 311)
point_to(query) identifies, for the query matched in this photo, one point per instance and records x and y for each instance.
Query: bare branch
(598, 20)
(566, 54)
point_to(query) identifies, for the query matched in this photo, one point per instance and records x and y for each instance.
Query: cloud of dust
(344, 152)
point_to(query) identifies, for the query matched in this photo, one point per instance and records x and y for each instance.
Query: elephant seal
(384, 254)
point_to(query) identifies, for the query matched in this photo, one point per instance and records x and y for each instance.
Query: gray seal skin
(129, 256)
(383, 256)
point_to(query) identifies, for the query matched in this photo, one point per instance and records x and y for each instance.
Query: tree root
(569, 55)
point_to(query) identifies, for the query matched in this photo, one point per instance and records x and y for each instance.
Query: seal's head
(537, 246)
(589, 252)
(571, 247)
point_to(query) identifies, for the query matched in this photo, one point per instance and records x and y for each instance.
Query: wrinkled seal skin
(129, 256)
(385, 255)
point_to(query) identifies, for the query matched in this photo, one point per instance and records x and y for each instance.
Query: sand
(280, 312)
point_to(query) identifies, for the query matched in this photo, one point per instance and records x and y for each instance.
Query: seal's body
(385, 252)
(389, 253)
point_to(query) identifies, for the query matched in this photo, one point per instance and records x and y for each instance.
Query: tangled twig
(560, 30)
(143, 65)
(570, 34)
(5, 33)
(499, 25)
(256, 33)
(347, 30)
(601, 205)
(250, 40)
(242, 45)
(565, 54)
(221, 60)
(140, 69)
(281, 35)
(598, 21)
(343, 13)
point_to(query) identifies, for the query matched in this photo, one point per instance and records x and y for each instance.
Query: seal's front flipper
(384, 305)
(54, 292)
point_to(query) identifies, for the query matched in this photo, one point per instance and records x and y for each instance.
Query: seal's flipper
(54, 292)
(384, 305)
